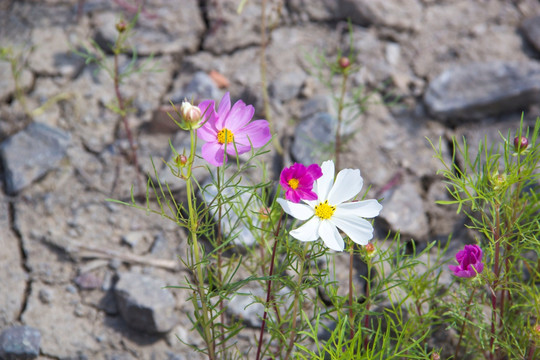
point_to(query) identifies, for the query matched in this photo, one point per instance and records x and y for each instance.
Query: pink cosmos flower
(470, 262)
(230, 130)
(298, 180)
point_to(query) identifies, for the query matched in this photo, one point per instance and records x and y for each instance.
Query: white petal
(307, 232)
(359, 230)
(348, 184)
(331, 236)
(298, 211)
(325, 182)
(365, 208)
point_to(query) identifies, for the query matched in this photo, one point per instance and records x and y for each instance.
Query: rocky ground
(73, 266)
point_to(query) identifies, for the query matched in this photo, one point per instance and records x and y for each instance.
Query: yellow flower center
(225, 136)
(293, 183)
(324, 211)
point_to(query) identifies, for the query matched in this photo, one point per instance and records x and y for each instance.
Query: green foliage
(498, 190)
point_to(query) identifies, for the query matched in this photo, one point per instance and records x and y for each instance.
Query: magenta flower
(470, 262)
(297, 181)
(230, 130)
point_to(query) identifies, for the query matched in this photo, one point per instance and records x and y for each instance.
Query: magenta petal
(315, 171)
(291, 195)
(307, 194)
(213, 153)
(256, 133)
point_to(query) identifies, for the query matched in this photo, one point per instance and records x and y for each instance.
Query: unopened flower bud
(520, 143)
(344, 62)
(264, 214)
(181, 160)
(498, 180)
(121, 26)
(435, 356)
(370, 249)
(536, 332)
(190, 113)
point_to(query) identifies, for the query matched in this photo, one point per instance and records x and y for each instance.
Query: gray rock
(119, 356)
(287, 85)
(229, 30)
(201, 87)
(317, 104)
(318, 10)
(88, 281)
(481, 89)
(397, 14)
(46, 295)
(184, 27)
(144, 304)
(531, 29)
(53, 54)
(404, 212)
(20, 343)
(314, 139)
(31, 153)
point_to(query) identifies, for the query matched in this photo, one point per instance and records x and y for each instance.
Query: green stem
(368, 304)
(292, 336)
(220, 252)
(193, 219)
(496, 270)
(464, 322)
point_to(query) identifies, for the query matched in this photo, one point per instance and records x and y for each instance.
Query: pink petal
(237, 149)
(213, 153)
(239, 116)
(207, 109)
(207, 132)
(224, 105)
(257, 131)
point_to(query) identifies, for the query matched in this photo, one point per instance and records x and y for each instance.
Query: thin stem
(340, 117)
(496, 270)
(220, 171)
(264, 82)
(269, 287)
(351, 314)
(368, 304)
(532, 349)
(123, 111)
(208, 337)
(456, 352)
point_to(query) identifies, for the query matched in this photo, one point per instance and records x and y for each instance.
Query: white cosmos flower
(331, 212)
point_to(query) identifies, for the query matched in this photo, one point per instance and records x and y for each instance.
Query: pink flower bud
(121, 26)
(520, 143)
(181, 160)
(344, 62)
